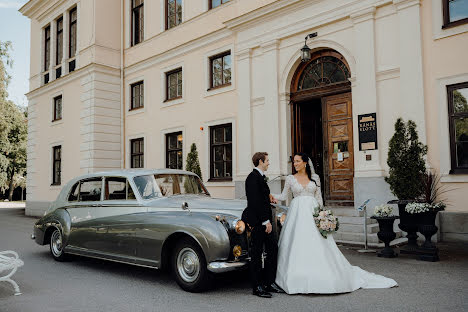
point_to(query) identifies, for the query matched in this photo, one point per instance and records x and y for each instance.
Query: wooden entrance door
(338, 149)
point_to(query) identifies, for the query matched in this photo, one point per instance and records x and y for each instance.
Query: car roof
(130, 173)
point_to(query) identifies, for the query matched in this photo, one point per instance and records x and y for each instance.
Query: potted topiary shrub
(384, 215)
(192, 165)
(426, 210)
(406, 167)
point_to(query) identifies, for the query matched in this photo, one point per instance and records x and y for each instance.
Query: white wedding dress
(309, 263)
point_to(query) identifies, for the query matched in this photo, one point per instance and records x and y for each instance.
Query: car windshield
(163, 185)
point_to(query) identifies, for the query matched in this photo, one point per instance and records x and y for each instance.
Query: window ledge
(57, 122)
(454, 178)
(135, 111)
(219, 89)
(172, 102)
(455, 24)
(221, 183)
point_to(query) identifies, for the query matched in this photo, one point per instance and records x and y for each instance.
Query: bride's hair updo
(305, 159)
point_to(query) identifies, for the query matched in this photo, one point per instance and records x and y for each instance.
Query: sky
(15, 27)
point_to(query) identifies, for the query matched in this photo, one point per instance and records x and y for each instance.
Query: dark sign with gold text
(367, 132)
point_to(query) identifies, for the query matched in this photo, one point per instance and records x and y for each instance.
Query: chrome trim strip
(221, 267)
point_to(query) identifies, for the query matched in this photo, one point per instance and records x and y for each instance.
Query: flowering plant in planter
(383, 211)
(424, 207)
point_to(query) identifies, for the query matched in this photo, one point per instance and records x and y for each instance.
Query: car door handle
(101, 230)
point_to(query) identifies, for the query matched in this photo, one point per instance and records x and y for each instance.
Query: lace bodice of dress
(292, 185)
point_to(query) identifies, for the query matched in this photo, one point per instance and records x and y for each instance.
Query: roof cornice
(32, 7)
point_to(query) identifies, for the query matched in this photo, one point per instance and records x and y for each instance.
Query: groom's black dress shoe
(261, 292)
(274, 288)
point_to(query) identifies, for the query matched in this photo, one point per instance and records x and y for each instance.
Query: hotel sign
(367, 132)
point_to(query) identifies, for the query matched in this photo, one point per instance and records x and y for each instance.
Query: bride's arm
(318, 191)
(286, 190)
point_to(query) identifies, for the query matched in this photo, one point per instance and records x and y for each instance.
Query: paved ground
(94, 285)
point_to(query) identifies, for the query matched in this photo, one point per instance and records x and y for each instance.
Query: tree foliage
(13, 130)
(193, 164)
(406, 161)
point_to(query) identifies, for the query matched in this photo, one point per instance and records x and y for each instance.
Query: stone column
(411, 72)
(271, 124)
(364, 89)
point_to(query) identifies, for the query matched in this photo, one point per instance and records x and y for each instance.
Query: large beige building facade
(133, 83)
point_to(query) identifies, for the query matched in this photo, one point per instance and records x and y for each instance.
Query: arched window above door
(322, 70)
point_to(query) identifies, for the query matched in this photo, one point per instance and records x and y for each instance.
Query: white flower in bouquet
(383, 211)
(326, 222)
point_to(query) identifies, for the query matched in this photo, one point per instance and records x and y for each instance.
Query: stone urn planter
(426, 226)
(408, 224)
(386, 234)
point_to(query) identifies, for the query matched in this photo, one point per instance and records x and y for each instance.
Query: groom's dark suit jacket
(258, 201)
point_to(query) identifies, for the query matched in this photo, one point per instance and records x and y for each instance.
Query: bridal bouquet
(326, 222)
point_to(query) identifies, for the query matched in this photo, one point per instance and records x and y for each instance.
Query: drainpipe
(122, 91)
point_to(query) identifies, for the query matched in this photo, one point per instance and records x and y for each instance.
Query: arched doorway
(321, 122)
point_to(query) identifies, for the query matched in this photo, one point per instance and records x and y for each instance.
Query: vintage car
(155, 218)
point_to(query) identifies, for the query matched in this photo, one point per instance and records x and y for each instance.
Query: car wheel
(189, 266)
(56, 246)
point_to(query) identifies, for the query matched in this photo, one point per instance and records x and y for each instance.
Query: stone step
(345, 211)
(358, 237)
(395, 242)
(355, 220)
(359, 228)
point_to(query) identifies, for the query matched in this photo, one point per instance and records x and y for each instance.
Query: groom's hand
(269, 228)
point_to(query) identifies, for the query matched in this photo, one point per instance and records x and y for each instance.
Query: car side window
(118, 189)
(90, 190)
(74, 192)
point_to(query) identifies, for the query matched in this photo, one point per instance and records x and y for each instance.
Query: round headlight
(240, 227)
(237, 251)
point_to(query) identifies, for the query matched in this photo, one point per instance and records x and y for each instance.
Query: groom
(258, 217)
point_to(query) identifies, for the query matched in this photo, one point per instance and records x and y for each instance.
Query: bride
(307, 262)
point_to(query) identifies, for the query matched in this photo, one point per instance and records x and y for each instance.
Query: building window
(458, 125)
(137, 153)
(221, 152)
(173, 13)
(72, 34)
(56, 165)
(174, 150)
(220, 70)
(57, 108)
(47, 48)
(137, 100)
(174, 84)
(455, 12)
(59, 47)
(216, 3)
(137, 21)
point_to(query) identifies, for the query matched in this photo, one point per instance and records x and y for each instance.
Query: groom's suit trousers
(259, 238)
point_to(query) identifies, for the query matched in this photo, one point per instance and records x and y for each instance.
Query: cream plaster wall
(445, 63)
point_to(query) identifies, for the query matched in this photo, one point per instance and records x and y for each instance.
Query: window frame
(168, 150)
(47, 38)
(141, 29)
(56, 176)
(454, 169)
(141, 154)
(55, 118)
(58, 39)
(166, 15)
(172, 72)
(210, 4)
(215, 57)
(446, 17)
(141, 85)
(72, 23)
(212, 145)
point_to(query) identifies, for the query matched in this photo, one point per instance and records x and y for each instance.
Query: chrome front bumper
(220, 266)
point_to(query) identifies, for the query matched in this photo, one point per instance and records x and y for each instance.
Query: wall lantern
(305, 51)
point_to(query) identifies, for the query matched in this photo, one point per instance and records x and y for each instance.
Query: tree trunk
(11, 188)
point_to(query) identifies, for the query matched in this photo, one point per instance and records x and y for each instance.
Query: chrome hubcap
(188, 265)
(56, 243)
